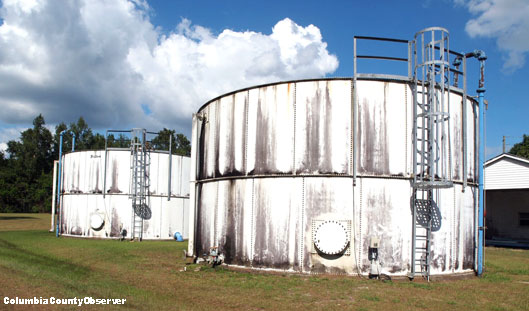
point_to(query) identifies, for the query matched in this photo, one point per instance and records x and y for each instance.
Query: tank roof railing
(129, 138)
(381, 57)
(454, 64)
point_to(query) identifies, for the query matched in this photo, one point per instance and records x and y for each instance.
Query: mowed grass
(150, 276)
(20, 221)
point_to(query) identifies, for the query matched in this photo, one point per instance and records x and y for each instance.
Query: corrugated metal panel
(382, 119)
(384, 212)
(277, 225)
(235, 221)
(210, 137)
(472, 133)
(118, 172)
(206, 225)
(181, 174)
(507, 173)
(159, 174)
(274, 131)
(225, 137)
(456, 135)
(323, 117)
(232, 134)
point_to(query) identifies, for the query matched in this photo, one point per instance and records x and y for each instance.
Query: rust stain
(114, 187)
(117, 226)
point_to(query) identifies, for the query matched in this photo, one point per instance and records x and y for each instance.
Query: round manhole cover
(331, 237)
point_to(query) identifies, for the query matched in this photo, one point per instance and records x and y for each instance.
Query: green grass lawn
(33, 262)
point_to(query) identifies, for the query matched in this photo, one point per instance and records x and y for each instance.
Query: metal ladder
(431, 140)
(140, 181)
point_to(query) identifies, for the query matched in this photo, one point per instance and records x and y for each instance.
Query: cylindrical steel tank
(89, 210)
(273, 175)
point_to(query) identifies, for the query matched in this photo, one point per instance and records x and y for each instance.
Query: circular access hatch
(96, 221)
(331, 237)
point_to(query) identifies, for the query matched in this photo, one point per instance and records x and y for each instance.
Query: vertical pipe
(193, 172)
(355, 112)
(170, 170)
(481, 91)
(410, 60)
(73, 142)
(59, 201)
(465, 149)
(53, 197)
(415, 99)
(480, 160)
(105, 170)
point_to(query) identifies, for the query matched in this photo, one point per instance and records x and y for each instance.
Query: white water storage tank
(327, 175)
(86, 212)
(273, 179)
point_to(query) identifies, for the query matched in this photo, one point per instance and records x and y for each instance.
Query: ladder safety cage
(140, 148)
(431, 76)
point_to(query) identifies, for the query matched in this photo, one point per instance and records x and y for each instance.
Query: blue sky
(121, 64)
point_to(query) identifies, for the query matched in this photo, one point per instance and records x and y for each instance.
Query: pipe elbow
(480, 55)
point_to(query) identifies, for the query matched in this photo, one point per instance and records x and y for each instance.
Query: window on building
(524, 219)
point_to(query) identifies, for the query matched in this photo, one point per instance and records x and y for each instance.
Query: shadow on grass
(16, 217)
(42, 262)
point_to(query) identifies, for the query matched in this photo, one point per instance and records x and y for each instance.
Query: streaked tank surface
(281, 172)
(90, 210)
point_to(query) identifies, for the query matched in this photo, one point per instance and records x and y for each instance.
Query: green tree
(183, 146)
(121, 142)
(180, 143)
(84, 139)
(32, 154)
(98, 142)
(521, 149)
(24, 176)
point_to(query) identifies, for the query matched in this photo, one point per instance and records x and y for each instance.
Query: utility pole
(503, 144)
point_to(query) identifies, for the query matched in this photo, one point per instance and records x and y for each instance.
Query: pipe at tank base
(59, 185)
(53, 197)
(481, 91)
(481, 57)
(59, 200)
(481, 192)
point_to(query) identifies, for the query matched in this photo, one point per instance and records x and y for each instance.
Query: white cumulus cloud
(105, 61)
(505, 20)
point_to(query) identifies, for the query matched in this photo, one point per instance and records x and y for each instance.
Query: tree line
(26, 168)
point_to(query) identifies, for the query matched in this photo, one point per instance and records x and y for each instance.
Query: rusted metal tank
(277, 169)
(89, 210)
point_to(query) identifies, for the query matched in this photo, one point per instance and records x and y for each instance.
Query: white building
(507, 197)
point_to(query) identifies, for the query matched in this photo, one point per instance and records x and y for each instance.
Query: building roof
(506, 171)
(506, 155)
